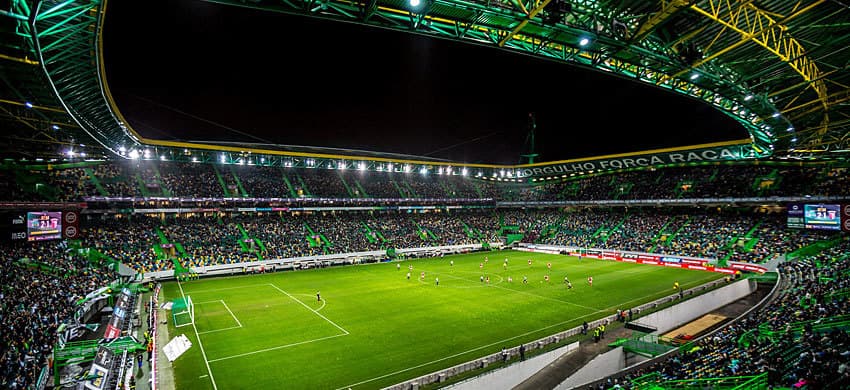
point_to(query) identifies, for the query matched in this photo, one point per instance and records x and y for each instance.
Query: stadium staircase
(162, 187)
(143, 188)
(95, 182)
(410, 191)
(622, 189)
(477, 188)
(244, 246)
(669, 237)
(179, 268)
(815, 248)
(551, 231)
(289, 186)
(348, 189)
(767, 182)
(732, 246)
(570, 191)
(363, 193)
(604, 233)
(422, 232)
(317, 240)
(304, 187)
(377, 232)
(239, 186)
(221, 182)
(401, 192)
(649, 345)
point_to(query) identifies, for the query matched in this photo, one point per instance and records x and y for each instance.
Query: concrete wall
(675, 316)
(665, 320)
(598, 368)
(514, 374)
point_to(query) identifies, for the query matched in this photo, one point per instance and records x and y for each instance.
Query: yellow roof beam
(522, 24)
(668, 8)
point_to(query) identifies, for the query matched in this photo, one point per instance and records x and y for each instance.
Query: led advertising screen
(796, 219)
(44, 225)
(823, 216)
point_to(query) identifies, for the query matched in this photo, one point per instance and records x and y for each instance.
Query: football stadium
(423, 194)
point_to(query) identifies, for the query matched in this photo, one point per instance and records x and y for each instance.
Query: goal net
(183, 312)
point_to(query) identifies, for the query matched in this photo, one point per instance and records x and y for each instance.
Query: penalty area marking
(308, 295)
(316, 311)
(309, 308)
(278, 347)
(239, 324)
(200, 344)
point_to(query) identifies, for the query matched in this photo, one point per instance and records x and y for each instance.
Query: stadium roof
(777, 67)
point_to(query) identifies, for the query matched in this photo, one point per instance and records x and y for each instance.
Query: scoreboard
(33, 226)
(819, 216)
(44, 225)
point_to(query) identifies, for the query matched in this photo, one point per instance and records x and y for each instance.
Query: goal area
(183, 311)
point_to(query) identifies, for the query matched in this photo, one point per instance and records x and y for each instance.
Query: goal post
(183, 311)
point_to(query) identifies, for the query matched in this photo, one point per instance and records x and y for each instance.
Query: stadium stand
(800, 339)
(211, 231)
(40, 287)
(186, 180)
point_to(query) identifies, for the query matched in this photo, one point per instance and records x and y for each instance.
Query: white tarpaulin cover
(176, 347)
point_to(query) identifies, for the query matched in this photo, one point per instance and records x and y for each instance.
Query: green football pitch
(374, 327)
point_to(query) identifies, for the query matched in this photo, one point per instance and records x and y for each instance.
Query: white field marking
(531, 294)
(308, 295)
(278, 347)
(203, 376)
(481, 347)
(219, 330)
(200, 344)
(310, 308)
(231, 313)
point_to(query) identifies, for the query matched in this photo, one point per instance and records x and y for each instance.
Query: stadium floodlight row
(103, 180)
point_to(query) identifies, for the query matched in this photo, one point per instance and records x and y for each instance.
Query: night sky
(190, 70)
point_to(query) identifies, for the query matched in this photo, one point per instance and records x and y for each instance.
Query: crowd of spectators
(128, 239)
(34, 302)
(187, 179)
(200, 180)
(789, 339)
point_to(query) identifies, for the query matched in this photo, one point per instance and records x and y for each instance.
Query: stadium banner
(119, 313)
(692, 263)
(723, 151)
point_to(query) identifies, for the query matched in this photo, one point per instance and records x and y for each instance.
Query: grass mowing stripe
(482, 347)
(219, 289)
(219, 330)
(200, 344)
(276, 348)
(495, 285)
(398, 328)
(310, 308)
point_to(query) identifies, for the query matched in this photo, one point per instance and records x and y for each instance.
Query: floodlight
(414, 3)
(748, 98)
(583, 42)
(28, 104)
(694, 76)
